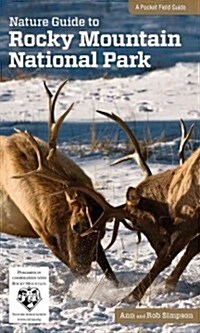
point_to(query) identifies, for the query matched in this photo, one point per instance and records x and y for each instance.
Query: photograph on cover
(99, 166)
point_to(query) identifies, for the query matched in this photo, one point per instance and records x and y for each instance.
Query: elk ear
(132, 196)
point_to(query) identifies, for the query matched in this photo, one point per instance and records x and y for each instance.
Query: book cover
(82, 83)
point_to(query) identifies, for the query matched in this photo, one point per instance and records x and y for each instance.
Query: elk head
(84, 211)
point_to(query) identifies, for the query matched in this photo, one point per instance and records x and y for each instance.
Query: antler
(137, 155)
(184, 138)
(115, 231)
(54, 126)
(118, 213)
(43, 168)
(114, 234)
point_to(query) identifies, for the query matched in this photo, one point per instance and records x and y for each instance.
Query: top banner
(164, 7)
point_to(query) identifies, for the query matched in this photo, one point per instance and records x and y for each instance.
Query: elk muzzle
(82, 252)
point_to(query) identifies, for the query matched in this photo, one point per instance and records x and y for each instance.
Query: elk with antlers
(36, 201)
(164, 207)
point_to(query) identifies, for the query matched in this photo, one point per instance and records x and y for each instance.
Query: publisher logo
(28, 294)
(164, 7)
(29, 297)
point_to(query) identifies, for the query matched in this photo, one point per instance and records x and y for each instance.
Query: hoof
(169, 287)
(131, 299)
(114, 282)
(112, 278)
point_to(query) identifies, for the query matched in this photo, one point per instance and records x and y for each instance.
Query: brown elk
(36, 202)
(165, 208)
(154, 188)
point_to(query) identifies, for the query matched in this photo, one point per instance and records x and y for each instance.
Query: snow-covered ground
(158, 95)
(88, 306)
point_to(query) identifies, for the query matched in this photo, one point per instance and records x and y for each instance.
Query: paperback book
(99, 160)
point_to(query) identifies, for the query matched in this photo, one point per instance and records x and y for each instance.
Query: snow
(173, 94)
(88, 305)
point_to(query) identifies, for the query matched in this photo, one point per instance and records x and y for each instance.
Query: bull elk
(36, 202)
(165, 208)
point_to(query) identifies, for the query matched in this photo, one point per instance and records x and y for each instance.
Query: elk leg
(192, 250)
(159, 265)
(164, 259)
(105, 266)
